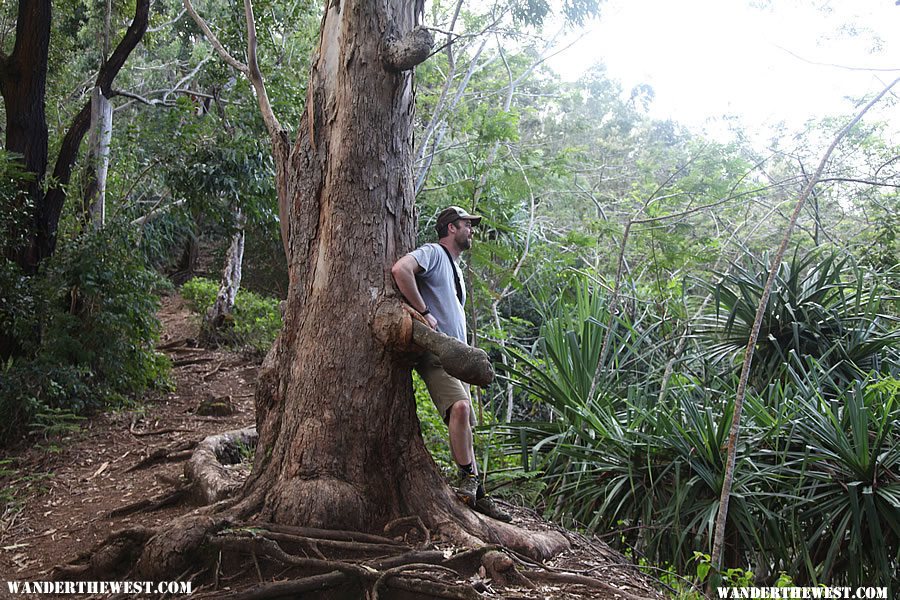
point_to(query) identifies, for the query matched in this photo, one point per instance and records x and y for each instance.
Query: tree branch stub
(401, 329)
(405, 53)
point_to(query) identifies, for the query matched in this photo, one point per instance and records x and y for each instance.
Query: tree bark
(339, 412)
(339, 442)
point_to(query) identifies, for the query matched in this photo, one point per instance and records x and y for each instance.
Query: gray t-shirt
(438, 289)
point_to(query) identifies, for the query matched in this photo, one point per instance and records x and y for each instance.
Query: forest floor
(60, 496)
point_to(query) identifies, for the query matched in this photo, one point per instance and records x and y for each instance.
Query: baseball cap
(452, 213)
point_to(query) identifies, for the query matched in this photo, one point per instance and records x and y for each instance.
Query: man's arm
(404, 272)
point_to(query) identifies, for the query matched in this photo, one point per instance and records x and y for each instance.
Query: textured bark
(410, 50)
(339, 442)
(340, 411)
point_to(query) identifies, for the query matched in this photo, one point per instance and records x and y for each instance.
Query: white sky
(710, 58)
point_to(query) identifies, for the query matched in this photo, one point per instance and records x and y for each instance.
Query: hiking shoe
(467, 488)
(486, 506)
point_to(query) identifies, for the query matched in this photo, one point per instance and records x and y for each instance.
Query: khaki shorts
(445, 390)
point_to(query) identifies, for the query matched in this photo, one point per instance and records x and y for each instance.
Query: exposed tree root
(113, 556)
(435, 589)
(180, 451)
(226, 536)
(317, 559)
(414, 520)
(286, 589)
(323, 534)
(502, 569)
(206, 469)
(150, 504)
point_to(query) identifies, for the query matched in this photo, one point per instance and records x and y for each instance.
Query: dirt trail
(66, 488)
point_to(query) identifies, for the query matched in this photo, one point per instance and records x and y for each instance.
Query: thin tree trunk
(221, 310)
(731, 456)
(97, 167)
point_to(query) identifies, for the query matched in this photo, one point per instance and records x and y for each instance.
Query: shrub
(821, 307)
(817, 483)
(82, 332)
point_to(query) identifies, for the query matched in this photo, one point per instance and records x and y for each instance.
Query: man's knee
(459, 412)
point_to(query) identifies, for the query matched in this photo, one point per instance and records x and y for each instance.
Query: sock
(468, 470)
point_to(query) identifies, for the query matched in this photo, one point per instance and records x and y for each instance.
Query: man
(432, 283)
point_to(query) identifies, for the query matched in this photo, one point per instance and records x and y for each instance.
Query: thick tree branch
(400, 328)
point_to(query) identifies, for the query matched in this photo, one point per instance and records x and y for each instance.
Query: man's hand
(404, 272)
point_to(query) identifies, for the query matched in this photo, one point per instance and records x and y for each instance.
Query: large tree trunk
(341, 418)
(339, 443)
(23, 78)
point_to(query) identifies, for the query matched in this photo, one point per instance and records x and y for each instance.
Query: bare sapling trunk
(220, 313)
(94, 192)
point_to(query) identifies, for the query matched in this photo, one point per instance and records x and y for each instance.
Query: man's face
(463, 233)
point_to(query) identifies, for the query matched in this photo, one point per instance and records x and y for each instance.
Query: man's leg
(461, 447)
(461, 443)
(462, 450)
(452, 399)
